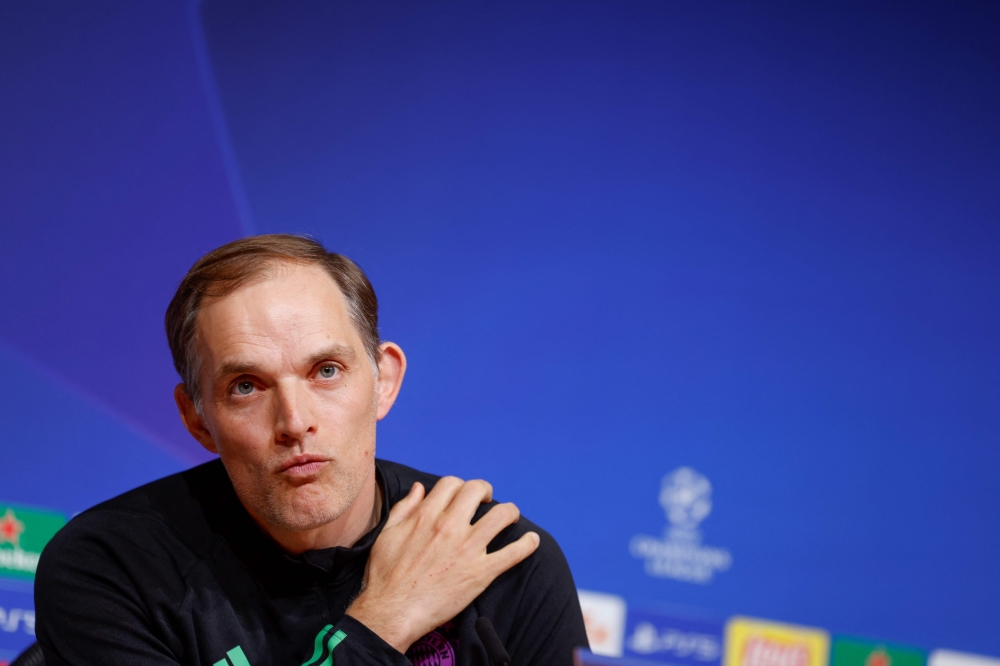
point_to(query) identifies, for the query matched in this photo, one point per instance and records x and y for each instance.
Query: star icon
(11, 528)
(878, 658)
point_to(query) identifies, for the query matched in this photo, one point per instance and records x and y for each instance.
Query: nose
(294, 415)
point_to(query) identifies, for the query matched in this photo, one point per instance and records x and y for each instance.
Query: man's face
(290, 398)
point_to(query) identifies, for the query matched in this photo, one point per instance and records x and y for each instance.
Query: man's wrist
(390, 626)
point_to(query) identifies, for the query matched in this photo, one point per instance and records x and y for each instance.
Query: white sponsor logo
(686, 497)
(952, 658)
(604, 618)
(18, 560)
(14, 617)
(647, 639)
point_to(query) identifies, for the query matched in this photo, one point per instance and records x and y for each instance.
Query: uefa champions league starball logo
(686, 498)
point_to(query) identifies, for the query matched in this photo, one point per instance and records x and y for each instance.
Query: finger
(442, 494)
(404, 507)
(513, 553)
(494, 521)
(467, 500)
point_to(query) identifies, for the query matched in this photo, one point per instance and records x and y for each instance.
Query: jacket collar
(275, 567)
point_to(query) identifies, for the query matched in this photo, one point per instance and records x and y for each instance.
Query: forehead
(289, 312)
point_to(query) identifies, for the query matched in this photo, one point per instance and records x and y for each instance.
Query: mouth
(302, 466)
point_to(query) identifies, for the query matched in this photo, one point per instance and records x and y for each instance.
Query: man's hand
(429, 562)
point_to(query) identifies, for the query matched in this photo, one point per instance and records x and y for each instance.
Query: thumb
(404, 507)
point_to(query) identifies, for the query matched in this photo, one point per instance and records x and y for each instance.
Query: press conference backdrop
(709, 290)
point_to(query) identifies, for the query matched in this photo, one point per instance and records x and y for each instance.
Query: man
(296, 546)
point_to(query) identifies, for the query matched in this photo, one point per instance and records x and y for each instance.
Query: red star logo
(11, 528)
(878, 658)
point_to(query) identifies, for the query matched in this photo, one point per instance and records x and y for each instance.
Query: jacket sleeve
(350, 643)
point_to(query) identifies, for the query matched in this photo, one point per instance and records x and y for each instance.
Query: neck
(345, 531)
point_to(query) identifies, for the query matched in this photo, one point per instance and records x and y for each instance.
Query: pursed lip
(304, 464)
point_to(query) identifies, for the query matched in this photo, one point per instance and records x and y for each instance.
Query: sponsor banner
(855, 652)
(667, 638)
(751, 642)
(17, 621)
(23, 534)
(604, 616)
(583, 657)
(952, 658)
(686, 499)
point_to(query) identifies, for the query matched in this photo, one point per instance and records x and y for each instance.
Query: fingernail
(537, 539)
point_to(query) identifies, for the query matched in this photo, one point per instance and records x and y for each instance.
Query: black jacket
(176, 572)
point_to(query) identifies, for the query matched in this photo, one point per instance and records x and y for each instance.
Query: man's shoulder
(400, 478)
(169, 511)
(174, 500)
(542, 583)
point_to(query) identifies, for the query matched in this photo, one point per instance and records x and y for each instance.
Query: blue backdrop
(615, 239)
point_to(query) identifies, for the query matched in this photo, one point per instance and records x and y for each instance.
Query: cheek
(344, 411)
(246, 430)
(244, 434)
(351, 428)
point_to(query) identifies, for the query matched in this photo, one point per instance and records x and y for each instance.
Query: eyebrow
(342, 352)
(333, 352)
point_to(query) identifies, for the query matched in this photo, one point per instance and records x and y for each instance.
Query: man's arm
(430, 561)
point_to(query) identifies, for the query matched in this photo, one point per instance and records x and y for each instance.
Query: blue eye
(327, 371)
(244, 388)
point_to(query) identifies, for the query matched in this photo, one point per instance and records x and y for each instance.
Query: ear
(192, 420)
(391, 368)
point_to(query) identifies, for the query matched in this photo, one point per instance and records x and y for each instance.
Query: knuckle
(506, 512)
(447, 482)
(444, 525)
(480, 485)
(422, 516)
